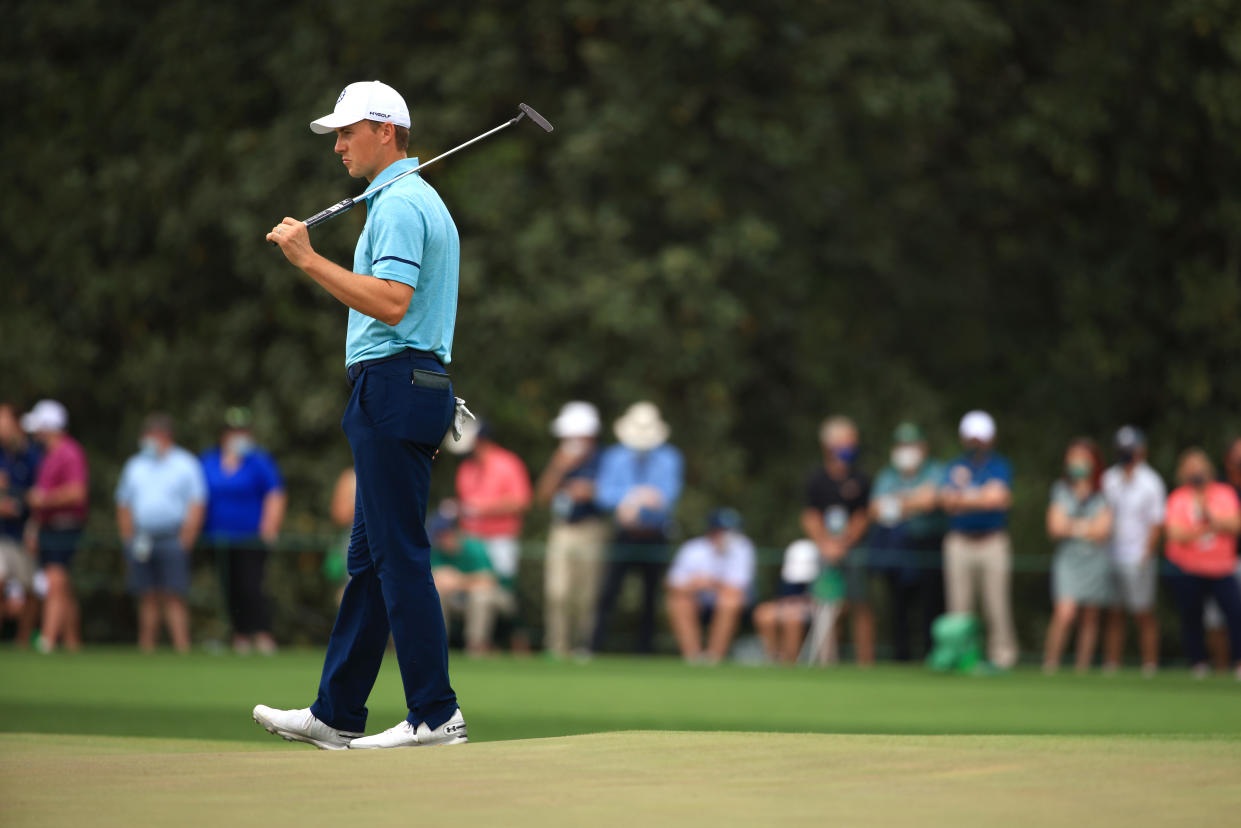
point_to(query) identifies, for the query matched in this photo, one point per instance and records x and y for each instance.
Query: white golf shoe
(302, 726)
(451, 732)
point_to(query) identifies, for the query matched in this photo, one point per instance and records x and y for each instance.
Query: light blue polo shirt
(159, 490)
(409, 238)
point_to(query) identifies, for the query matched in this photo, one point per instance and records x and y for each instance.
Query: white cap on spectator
(364, 101)
(576, 419)
(47, 415)
(978, 425)
(801, 562)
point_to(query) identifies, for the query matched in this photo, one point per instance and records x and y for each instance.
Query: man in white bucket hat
(576, 541)
(639, 482)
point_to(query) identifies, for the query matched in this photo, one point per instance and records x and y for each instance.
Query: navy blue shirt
(235, 501)
(575, 511)
(971, 471)
(19, 467)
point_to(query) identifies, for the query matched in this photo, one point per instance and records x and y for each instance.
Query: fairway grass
(635, 778)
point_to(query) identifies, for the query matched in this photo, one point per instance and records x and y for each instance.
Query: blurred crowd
(931, 534)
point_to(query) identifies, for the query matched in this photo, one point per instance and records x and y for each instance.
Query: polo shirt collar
(393, 170)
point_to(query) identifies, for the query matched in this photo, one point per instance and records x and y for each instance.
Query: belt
(977, 534)
(355, 370)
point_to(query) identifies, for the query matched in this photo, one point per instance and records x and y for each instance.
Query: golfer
(402, 298)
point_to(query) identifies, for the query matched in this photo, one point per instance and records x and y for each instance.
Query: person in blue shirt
(402, 298)
(976, 495)
(639, 483)
(245, 508)
(19, 461)
(159, 511)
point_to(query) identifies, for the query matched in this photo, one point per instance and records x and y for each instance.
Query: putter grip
(339, 207)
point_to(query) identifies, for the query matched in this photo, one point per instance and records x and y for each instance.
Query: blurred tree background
(753, 214)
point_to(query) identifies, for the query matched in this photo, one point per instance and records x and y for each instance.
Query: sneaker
(451, 732)
(302, 726)
(1199, 672)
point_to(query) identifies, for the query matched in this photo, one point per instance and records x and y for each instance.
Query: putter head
(536, 117)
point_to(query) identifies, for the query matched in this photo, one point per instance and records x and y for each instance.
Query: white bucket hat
(47, 415)
(364, 101)
(978, 425)
(641, 428)
(576, 419)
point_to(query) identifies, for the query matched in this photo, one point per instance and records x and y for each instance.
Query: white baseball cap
(978, 425)
(364, 101)
(576, 419)
(47, 415)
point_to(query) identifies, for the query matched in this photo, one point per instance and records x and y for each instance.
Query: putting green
(635, 778)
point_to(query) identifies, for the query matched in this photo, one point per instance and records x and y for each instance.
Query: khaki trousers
(989, 561)
(571, 576)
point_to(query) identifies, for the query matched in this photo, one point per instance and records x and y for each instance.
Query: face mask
(239, 444)
(1196, 480)
(975, 446)
(1078, 471)
(1124, 456)
(845, 454)
(148, 447)
(906, 458)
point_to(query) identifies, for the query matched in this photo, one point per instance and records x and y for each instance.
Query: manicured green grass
(110, 737)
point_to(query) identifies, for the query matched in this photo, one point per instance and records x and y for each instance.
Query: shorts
(1135, 584)
(16, 568)
(166, 568)
(1212, 618)
(58, 546)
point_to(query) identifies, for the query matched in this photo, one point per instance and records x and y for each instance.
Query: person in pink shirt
(494, 493)
(1203, 520)
(58, 507)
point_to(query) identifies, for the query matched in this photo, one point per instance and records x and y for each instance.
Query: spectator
(836, 517)
(1137, 495)
(781, 622)
(710, 576)
(463, 577)
(19, 461)
(1203, 519)
(493, 490)
(245, 508)
(908, 536)
(977, 495)
(341, 510)
(159, 511)
(58, 503)
(578, 533)
(639, 483)
(1080, 521)
(1213, 619)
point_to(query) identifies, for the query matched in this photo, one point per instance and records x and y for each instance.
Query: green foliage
(753, 215)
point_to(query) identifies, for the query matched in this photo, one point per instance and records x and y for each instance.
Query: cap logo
(380, 114)
(343, 93)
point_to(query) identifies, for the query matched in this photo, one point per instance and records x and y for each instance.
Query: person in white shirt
(711, 575)
(1137, 496)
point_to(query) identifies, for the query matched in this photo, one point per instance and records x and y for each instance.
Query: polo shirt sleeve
(1158, 500)
(1004, 472)
(197, 479)
(398, 230)
(125, 486)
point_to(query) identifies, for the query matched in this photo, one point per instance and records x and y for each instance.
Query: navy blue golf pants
(397, 416)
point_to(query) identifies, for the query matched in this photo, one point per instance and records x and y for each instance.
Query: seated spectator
(781, 622)
(977, 496)
(710, 575)
(1137, 496)
(578, 535)
(245, 508)
(58, 503)
(907, 536)
(160, 501)
(1079, 520)
(1203, 519)
(836, 518)
(464, 578)
(19, 461)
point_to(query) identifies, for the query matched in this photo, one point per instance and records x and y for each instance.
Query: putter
(343, 206)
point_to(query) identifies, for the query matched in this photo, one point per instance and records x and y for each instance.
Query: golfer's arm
(377, 298)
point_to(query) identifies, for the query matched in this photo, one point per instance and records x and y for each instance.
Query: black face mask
(1125, 456)
(1196, 480)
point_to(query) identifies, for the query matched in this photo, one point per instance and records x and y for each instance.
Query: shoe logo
(451, 729)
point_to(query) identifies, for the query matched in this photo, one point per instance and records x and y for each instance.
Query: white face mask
(239, 444)
(906, 458)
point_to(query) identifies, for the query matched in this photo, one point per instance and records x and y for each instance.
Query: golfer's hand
(293, 239)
